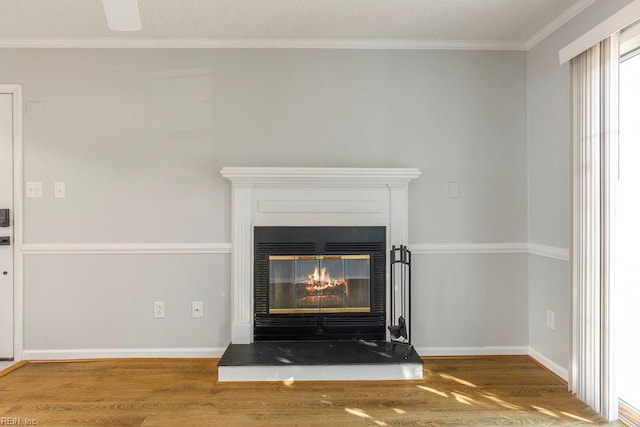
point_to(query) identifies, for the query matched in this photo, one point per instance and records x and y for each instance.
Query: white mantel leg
(398, 235)
(398, 215)
(241, 261)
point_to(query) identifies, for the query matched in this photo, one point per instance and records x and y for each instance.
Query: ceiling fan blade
(122, 15)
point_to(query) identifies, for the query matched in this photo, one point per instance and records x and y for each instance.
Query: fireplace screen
(319, 284)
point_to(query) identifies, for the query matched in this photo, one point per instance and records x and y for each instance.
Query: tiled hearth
(318, 361)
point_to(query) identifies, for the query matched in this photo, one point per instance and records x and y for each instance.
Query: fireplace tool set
(400, 262)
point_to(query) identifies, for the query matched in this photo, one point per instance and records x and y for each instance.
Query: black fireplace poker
(400, 262)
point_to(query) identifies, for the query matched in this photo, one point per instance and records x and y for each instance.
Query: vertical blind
(594, 86)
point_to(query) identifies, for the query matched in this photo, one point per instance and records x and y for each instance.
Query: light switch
(454, 189)
(33, 190)
(59, 190)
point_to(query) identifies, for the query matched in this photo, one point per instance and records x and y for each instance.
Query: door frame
(18, 274)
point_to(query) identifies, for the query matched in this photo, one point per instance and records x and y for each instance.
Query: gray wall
(139, 136)
(548, 165)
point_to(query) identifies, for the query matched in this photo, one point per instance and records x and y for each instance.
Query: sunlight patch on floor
(463, 399)
(288, 381)
(576, 417)
(458, 380)
(501, 402)
(432, 390)
(545, 411)
(362, 414)
(357, 412)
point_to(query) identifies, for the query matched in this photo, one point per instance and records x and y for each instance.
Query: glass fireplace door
(319, 284)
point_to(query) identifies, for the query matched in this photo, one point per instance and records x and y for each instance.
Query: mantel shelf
(319, 176)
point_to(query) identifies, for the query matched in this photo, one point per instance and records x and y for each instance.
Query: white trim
(18, 223)
(549, 251)
(119, 353)
(630, 42)
(549, 364)
(336, 177)
(124, 248)
(392, 44)
(468, 248)
(614, 23)
(490, 248)
(225, 248)
(295, 373)
(558, 22)
(496, 351)
(473, 351)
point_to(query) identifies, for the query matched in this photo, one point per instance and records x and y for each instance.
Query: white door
(6, 229)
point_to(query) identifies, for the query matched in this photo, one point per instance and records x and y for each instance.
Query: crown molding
(616, 22)
(390, 44)
(560, 20)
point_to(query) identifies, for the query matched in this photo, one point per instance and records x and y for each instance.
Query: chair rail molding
(124, 248)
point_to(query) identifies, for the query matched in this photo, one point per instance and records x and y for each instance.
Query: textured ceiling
(445, 20)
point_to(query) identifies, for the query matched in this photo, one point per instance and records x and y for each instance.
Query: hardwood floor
(456, 391)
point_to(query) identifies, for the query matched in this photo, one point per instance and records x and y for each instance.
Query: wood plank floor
(456, 391)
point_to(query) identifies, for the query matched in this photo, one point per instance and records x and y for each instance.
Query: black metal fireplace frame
(319, 241)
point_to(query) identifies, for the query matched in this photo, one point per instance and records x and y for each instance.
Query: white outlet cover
(159, 310)
(33, 189)
(551, 319)
(59, 190)
(197, 309)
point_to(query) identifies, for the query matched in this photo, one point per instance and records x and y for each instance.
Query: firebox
(315, 283)
(319, 283)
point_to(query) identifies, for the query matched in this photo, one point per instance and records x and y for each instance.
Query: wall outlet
(197, 309)
(551, 319)
(33, 189)
(158, 310)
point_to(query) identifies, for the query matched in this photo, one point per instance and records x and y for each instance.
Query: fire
(321, 279)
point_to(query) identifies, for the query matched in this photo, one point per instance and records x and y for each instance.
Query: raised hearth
(319, 361)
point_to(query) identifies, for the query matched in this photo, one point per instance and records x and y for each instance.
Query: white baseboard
(549, 364)
(494, 351)
(216, 352)
(120, 353)
(472, 351)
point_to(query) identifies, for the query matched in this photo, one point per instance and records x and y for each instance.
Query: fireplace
(309, 197)
(319, 283)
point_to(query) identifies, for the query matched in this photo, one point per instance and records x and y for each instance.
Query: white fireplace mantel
(274, 196)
